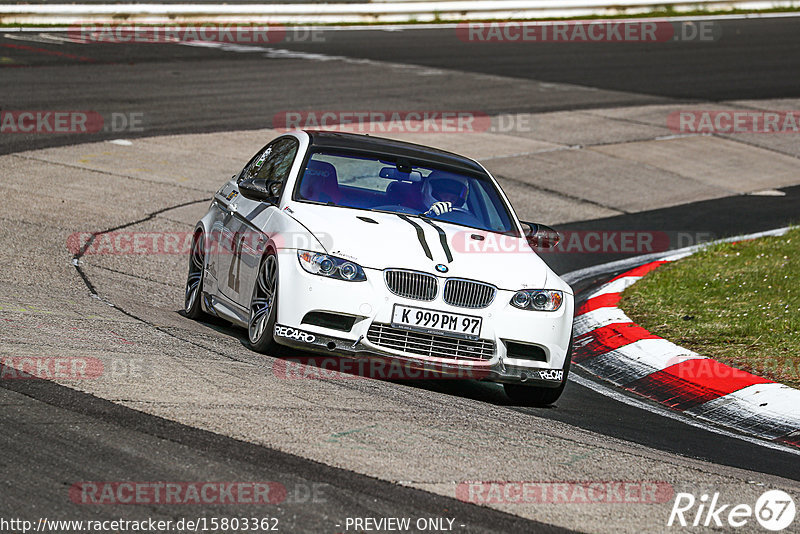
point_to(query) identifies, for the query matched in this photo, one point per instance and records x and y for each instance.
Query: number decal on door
(234, 271)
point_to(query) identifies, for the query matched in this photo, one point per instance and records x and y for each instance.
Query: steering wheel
(452, 210)
(461, 215)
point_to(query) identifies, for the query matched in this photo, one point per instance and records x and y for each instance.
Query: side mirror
(540, 236)
(260, 190)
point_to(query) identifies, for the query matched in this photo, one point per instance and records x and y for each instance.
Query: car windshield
(380, 184)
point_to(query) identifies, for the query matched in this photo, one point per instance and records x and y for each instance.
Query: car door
(238, 269)
(218, 241)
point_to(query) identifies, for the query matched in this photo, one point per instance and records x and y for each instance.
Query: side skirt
(225, 309)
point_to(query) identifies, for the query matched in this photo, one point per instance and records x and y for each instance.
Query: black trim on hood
(420, 235)
(442, 240)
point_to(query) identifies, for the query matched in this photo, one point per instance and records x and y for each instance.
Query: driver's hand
(439, 208)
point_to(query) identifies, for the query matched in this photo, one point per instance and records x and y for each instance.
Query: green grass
(738, 303)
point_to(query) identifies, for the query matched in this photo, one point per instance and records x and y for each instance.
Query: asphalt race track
(752, 59)
(191, 403)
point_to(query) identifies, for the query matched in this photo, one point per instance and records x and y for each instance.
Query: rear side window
(274, 161)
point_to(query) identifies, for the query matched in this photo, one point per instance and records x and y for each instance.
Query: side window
(496, 220)
(273, 163)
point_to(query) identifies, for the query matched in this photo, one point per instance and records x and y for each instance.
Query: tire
(539, 396)
(264, 306)
(193, 293)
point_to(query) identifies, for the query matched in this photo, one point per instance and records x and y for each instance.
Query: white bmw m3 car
(363, 247)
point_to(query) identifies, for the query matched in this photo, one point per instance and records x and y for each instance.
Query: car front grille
(411, 284)
(468, 294)
(437, 346)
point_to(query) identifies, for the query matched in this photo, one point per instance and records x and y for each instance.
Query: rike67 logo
(774, 510)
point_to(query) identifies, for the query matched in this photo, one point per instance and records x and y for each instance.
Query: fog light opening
(331, 345)
(523, 377)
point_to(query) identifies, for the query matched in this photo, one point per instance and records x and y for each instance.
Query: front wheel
(539, 396)
(194, 281)
(263, 306)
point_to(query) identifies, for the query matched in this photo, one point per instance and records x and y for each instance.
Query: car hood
(380, 240)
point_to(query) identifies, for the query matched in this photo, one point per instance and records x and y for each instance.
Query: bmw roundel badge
(442, 268)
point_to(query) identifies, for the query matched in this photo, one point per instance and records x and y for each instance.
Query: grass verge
(738, 303)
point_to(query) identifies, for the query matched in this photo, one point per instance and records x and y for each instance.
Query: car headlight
(538, 299)
(330, 266)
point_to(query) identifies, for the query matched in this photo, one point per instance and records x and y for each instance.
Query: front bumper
(370, 302)
(384, 364)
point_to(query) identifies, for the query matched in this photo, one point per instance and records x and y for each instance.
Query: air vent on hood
(367, 219)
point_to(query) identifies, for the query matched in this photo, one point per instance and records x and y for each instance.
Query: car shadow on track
(302, 364)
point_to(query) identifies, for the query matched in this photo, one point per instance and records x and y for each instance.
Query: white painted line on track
(61, 39)
(592, 320)
(618, 396)
(768, 193)
(617, 286)
(30, 38)
(767, 410)
(283, 53)
(637, 360)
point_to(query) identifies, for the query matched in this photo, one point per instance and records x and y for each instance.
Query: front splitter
(380, 364)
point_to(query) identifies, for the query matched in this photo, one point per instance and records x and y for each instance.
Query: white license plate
(436, 321)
